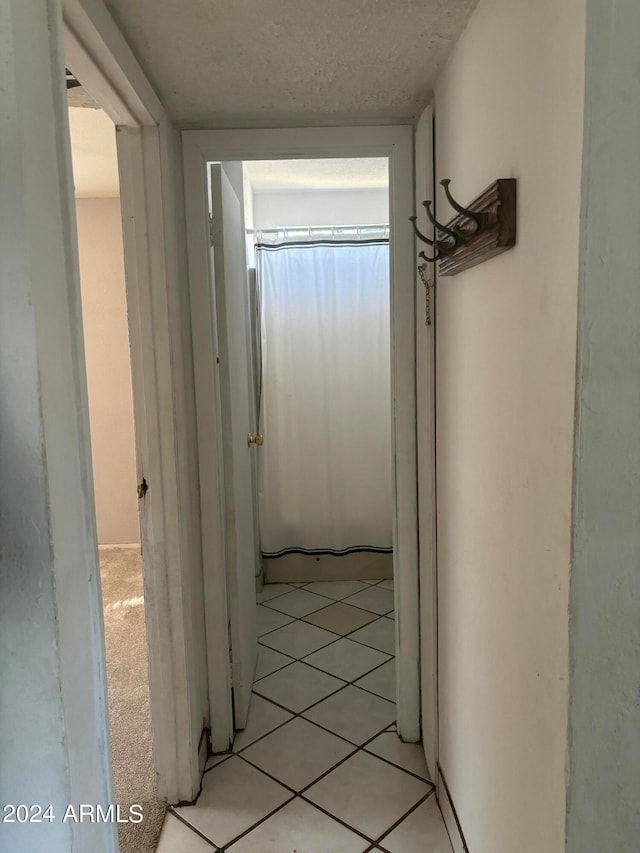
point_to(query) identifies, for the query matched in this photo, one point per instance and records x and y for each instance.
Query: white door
(230, 278)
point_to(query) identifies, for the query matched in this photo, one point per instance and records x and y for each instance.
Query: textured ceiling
(267, 62)
(370, 173)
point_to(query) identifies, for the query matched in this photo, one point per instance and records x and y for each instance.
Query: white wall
(320, 207)
(53, 731)
(509, 103)
(93, 146)
(106, 335)
(604, 730)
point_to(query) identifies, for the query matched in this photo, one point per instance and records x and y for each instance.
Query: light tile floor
(319, 767)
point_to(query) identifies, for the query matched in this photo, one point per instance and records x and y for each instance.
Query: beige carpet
(128, 694)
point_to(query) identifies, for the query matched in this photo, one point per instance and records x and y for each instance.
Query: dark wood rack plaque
(498, 204)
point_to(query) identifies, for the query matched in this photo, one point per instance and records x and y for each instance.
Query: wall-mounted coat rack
(482, 230)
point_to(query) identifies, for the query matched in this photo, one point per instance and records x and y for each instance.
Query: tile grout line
(300, 794)
(313, 705)
(299, 715)
(279, 594)
(347, 683)
(304, 616)
(171, 810)
(346, 636)
(329, 695)
(325, 772)
(250, 829)
(279, 667)
(305, 585)
(332, 674)
(297, 795)
(333, 817)
(320, 648)
(296, 714)
(356, 748)
(304, 800)
(301, 660)
(324, 606)
(395, 825)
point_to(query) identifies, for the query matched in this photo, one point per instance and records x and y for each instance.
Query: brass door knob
(255, 439)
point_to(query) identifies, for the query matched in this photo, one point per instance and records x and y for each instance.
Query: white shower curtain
(325, 467)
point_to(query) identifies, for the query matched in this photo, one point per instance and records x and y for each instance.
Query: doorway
(205, 147)
(318, 239)
(283, 698)
(318, 236)
(111, 421)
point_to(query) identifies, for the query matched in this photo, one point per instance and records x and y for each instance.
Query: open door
(229, 275)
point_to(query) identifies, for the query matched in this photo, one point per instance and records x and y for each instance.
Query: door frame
(397, 143)
(425, 418)
(101, 59)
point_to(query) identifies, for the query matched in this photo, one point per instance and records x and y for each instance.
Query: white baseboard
(449, 814)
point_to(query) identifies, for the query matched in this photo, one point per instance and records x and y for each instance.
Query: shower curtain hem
(357, 549)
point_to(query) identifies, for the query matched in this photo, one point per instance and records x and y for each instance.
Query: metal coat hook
(419, 233)
(478, 218)
(438, 244)
(433, 260)
(472, 234)
(443, 228)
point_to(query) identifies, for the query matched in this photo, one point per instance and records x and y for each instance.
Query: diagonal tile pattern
(336, 589)
(298, 603)
(269, 661)
(300, 827)
(353, 714)
(298, 753)
(409, 756)
(297, 687)
(319, 767)
(234, 797)
(273, 590)
(374, 598)
(380, 635)
(264, 716)
(347, 659)
(367, 794)
(297, 639)
(268, 620)
(381, 681)
(340, 618)
(423, 829)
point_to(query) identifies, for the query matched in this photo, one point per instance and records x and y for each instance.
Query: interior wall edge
(603, 772)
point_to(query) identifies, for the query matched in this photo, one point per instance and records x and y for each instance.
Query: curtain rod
(313, 232)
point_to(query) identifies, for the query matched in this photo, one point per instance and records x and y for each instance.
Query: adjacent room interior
(318, 240)
(111, 417)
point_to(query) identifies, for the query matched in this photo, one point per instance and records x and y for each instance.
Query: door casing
(148, 152)
(395, 142)
(234, 378)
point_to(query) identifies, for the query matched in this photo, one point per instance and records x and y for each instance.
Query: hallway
(319, 766)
